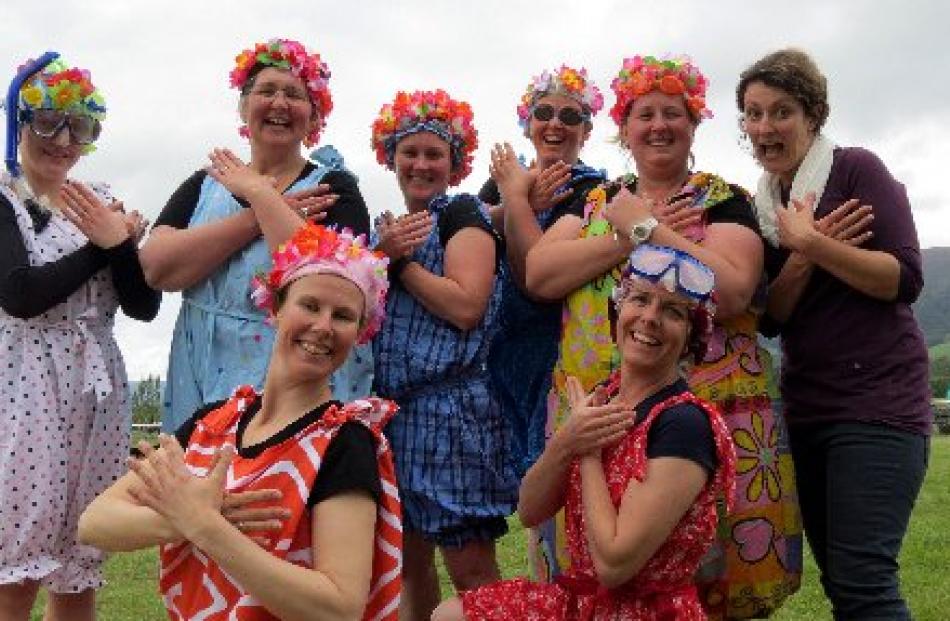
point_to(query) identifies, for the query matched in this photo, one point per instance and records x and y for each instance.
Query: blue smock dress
(221, 339)
(449, 437)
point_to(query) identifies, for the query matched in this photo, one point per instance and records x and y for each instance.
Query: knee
(449, 610)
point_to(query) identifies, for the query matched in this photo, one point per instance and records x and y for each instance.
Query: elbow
(468, 316)
(528, 515)
(733, 303)
(612, 573)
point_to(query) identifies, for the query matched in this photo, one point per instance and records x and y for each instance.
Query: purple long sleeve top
(848, 357)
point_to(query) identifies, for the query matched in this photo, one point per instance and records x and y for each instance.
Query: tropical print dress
(756, 561)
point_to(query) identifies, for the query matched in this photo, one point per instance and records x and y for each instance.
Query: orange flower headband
(674, 76)
(431, 111)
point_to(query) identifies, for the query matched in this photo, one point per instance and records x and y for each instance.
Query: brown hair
(794, 72)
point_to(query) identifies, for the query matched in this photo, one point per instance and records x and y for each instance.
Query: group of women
(342, 401)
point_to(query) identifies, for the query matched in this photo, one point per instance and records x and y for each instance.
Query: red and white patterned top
(194, 586)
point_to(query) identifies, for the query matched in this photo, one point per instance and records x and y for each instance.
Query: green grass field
(939, 351)
(131, 594)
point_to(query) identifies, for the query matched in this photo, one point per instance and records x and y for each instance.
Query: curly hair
(794, 72)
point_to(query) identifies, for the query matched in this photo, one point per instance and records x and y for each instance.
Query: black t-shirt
(463, 211)
(349, 463)
(682, 430)
(349, 211)
(29, 291)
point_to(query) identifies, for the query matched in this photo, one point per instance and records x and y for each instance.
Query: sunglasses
(47, 123)
(659, 263)
(567, 116)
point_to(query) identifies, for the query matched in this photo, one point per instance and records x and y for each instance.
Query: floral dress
(756, 561)
(663, 588)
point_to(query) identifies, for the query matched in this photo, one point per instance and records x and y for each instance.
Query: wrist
(200, 526)
(397, 267)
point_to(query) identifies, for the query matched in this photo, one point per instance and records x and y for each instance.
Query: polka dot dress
(64, 420)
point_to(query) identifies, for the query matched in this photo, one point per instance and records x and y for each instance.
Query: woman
(335, 552)
(68, 261)
(449, 440)
(854, 370)
(638, 466)
(208, 243)
(756, 562)
(555, 115)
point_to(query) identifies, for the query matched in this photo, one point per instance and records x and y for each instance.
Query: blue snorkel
(12, 107)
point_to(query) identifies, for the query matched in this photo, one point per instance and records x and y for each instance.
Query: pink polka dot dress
(64, 419)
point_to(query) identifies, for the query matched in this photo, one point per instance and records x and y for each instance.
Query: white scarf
(812, 175)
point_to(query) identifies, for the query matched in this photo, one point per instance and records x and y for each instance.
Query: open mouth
(277, 121)
(644, 339)
(772, 150)
(552, 140)
(315, 350)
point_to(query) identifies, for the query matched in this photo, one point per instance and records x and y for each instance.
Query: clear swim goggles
(678, 271)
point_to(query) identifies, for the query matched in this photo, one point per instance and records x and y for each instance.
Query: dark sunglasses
(568, 116)
(47, 123)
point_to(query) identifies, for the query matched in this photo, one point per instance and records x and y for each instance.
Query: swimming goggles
(677, 270)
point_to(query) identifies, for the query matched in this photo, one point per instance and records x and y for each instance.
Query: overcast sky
(163, 68)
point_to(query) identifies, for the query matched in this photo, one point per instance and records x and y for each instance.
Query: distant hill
(932, 308)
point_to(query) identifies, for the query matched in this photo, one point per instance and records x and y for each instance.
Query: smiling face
(653, 328)
(47, 161)
(658, 132)
(277, 108)
(552, 139)
(317, 325)
(423, 163)
(780, 131)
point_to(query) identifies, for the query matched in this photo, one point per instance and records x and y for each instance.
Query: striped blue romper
(449, 439)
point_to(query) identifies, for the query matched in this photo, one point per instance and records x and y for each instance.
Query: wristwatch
(641, 231)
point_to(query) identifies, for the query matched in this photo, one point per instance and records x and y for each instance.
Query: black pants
(857, 484)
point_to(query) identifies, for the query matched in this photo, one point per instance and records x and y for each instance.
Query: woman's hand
(513, 179)
(593, 423)
(240, 179)
(849, 223)
(103, 226)
(680, 215)
(312, 203)
(168, 488)
(549, 186)
(796, 223)
(627, 209)
(399, 237)
(237, 508)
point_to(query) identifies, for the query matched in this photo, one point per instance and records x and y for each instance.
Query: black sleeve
(183, 433)
(573, 204)
(737, 209)
(489, 193)
(350, 209)
(28, 291)
(182, 203)
(462, 212)
(137, 299)
(683, 431)
(349, 465)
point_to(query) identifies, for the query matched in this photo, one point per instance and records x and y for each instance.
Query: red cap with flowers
(674, 76)
(292, 56)
(431, 111)
(315, 249)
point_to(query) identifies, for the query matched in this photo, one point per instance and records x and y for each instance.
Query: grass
(939, 351)
(131, 594)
